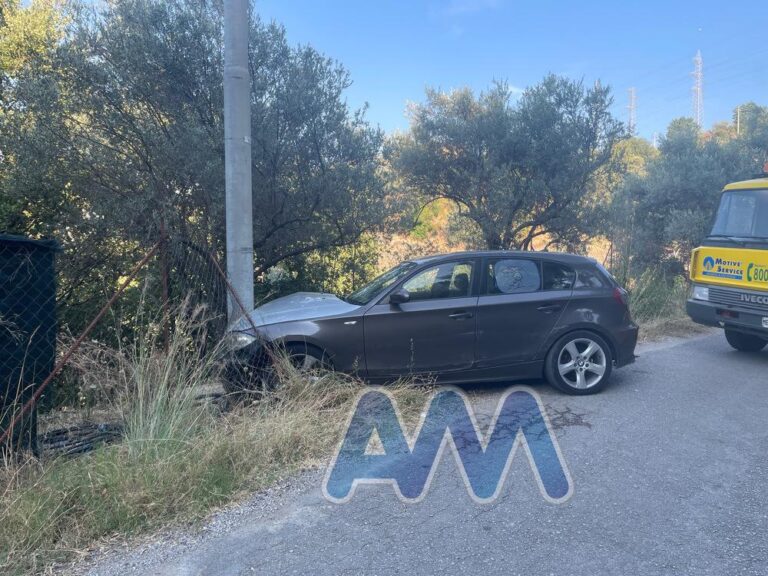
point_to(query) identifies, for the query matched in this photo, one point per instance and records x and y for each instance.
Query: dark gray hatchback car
(461, 317)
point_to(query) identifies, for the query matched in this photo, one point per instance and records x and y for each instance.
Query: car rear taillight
(621, 296)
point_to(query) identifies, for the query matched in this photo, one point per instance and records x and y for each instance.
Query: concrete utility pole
(698, 89)
(237, 156)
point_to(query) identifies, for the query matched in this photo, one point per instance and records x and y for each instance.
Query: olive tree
(520, 170)
(124, 130)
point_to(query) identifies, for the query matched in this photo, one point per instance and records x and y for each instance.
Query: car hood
(299, 306)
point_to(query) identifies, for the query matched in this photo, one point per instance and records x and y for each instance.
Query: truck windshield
(742, 214)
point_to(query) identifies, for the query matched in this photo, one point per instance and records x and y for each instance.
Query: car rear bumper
(724, 316)
(625, 342)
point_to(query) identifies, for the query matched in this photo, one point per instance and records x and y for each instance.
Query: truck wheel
(745, 342)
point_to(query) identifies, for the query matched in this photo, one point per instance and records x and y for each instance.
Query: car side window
(558, 276)
(513, 276)
(589, 279)
(448, 280)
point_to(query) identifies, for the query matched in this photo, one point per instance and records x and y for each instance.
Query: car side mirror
(399, 296)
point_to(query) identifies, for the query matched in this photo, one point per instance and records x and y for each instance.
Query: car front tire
(745, 342)
(258, 374)
(579, 363)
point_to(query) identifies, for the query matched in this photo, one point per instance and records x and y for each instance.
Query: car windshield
(368, 292)
(742, 214)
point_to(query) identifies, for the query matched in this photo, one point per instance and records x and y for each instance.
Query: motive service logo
(721, 268)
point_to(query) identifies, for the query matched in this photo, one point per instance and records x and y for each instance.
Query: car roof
(548, 256)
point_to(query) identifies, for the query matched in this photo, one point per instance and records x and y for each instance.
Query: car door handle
(460, 315)
(549, 308)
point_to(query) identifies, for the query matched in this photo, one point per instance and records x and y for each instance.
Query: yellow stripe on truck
(730, 267)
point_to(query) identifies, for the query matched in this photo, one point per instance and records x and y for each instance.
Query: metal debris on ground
(79, 439)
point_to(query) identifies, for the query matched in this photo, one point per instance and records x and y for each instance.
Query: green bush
(655, 296)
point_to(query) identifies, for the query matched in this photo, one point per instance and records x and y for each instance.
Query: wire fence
(36, 348)
(27, 328)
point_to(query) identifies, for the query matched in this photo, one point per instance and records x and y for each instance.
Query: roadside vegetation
(179, 457)
(657, 302)
(116, 108)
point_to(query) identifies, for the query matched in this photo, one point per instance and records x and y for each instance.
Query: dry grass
(179, 458)
(658, 306)
(659, 328)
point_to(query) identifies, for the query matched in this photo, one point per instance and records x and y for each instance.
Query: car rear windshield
(742, 214)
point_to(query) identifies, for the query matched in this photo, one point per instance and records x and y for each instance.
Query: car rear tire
(745, 342)
(579, 363)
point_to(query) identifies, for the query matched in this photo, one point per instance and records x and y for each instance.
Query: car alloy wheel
(582, 363)
(305, 363)
(309, 361)
(579, 363)
(259, 374)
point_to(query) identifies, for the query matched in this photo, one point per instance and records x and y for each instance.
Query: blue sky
(395, 48)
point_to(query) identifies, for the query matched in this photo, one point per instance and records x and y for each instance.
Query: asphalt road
(670, 469)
